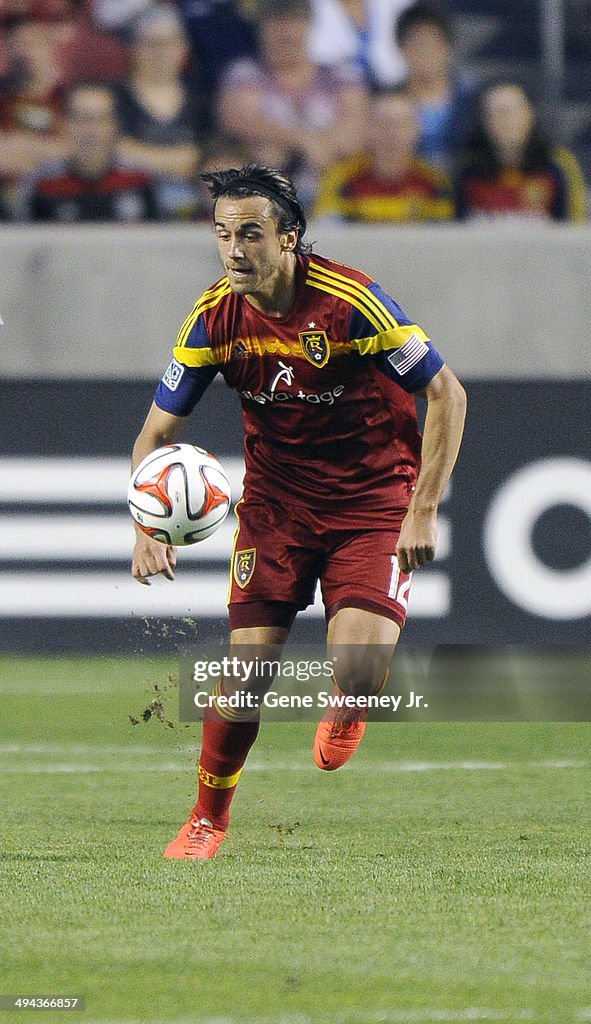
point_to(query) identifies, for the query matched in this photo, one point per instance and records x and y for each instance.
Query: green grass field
(443, 876)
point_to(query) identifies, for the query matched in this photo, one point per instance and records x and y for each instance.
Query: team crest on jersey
(315, 346)
(244, 563)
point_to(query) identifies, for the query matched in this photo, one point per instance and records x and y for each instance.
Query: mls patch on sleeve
(403, 359)
(173, 375)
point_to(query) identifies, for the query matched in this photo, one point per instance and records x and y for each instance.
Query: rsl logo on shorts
(244, 563)
(315, 346)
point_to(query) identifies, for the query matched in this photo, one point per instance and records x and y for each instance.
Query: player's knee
(359, 672)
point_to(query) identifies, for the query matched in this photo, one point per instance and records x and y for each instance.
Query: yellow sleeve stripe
(208, 300)
(194, 356)
(221, 287)
(209, 293)
(186, 326)
(350, 287)
(362, 290)
(323, 287)
(358, 295)
(350, 296)
(387, 340)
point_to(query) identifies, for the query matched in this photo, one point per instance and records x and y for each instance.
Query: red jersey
(326, 390)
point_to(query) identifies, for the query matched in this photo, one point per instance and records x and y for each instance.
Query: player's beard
(257, 279)
(242, 283)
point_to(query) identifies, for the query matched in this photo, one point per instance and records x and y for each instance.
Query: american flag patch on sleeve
(403, 359)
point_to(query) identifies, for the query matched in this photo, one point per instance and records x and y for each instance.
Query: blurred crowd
(111, 109)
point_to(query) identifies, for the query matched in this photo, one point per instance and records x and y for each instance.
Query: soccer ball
(179, 494)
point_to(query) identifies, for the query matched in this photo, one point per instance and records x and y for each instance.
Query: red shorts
(280, 553)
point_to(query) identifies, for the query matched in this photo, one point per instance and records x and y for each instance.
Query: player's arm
(184, 382)
(404, 353)
(442, 436)
(151, 557)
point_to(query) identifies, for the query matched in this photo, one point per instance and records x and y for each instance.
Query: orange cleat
(338, 735)
(198, 839)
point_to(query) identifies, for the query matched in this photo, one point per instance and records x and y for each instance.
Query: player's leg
(272, 576)
(360, 645)
(228, 735)
(366, 598)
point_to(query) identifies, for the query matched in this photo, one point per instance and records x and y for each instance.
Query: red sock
(224, 750)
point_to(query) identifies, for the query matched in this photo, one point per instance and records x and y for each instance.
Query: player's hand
(150, 557)
(417, 540)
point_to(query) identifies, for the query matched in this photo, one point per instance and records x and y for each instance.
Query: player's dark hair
(423, 13)
(258, 180)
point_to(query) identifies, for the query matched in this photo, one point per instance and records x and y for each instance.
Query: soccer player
(336, 488)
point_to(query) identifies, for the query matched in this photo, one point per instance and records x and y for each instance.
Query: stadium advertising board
(514, 559)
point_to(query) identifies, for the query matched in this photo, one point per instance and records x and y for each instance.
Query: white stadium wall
(107, 302)
(89, 319)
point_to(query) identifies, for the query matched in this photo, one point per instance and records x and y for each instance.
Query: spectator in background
(79, 51)
(48, 46)
(300, 116)
(361, 31)
(70, 19)
(508, 167)
(220, 32)
(444, 98)
(91, 185)
(31, 123)
(30, 101)
(160, 118)
(387, 182)
(84, 52)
